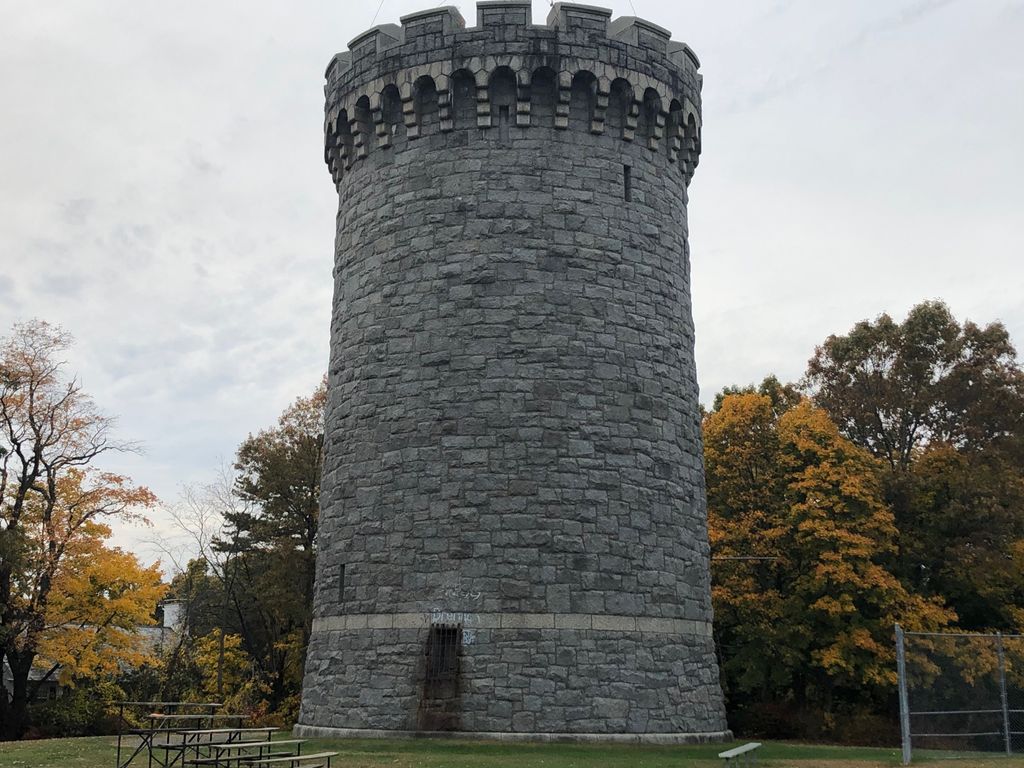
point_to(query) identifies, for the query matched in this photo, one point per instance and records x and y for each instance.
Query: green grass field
(99, 753)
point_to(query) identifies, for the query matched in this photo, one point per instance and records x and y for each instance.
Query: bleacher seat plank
(205, 731)
(172, 716)
(232, 745)
(230, 759)
(228, 745)
(293, 759)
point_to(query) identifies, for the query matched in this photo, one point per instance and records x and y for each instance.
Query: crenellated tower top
(583, 70)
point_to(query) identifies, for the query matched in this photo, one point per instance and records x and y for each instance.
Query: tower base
(666, 739)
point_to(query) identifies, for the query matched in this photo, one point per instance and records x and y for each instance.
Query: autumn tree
(783, 396)
(802, 541)
(748, 533)
(101, 595)
(53, 504)
(222, 664)
(941, 404)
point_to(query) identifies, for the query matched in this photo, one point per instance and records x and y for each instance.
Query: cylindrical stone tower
(513, 530)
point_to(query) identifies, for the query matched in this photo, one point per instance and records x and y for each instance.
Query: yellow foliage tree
(814, 617)
(235, 665)
(82, 600)
(101, 596)
(845, 537)
(54, 505)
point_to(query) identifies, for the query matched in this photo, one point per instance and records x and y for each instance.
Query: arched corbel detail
(691, 125)
(380, 127)
(564, 99)
(483, 98)
(523, 88)
(604, 88)
(632, 118)
(412, 130)
(342, 148)
(358, 141)
(332, 152)
(620, 100)
(443, 84)
(658, 132)
(653, 117)
(691, 145)
(674, 130)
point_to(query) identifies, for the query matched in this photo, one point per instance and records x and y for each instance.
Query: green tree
(962, 527)
(894, 388)
(942, 405)
(279, 479)
(270, 540)
(256, 535)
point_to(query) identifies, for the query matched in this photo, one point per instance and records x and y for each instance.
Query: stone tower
(513, 536)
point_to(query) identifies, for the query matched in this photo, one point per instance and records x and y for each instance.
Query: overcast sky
(163, 194)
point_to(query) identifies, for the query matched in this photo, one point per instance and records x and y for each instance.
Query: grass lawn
(99, 753)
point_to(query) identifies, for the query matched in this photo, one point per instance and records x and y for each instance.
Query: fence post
(1002, 692)
(901, 669)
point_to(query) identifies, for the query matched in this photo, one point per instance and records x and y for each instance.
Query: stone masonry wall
(513, 438)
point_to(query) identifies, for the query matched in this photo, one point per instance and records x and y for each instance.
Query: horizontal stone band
(566, 621)
(707, 737)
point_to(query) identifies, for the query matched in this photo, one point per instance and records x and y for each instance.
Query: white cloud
(164, 196)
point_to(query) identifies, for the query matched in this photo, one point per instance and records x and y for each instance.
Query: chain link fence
(960, 692)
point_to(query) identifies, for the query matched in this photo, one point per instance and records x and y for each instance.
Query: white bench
(743, 755)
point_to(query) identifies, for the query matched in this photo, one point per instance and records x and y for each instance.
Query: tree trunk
(15, 721)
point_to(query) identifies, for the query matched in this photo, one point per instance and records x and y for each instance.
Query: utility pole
(901, 668)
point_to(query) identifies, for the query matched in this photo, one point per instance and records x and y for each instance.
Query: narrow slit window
(503, 124)
(627, 182)
(341, 586)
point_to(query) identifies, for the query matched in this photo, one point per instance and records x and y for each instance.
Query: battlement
(507, 23)
(583, 69)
